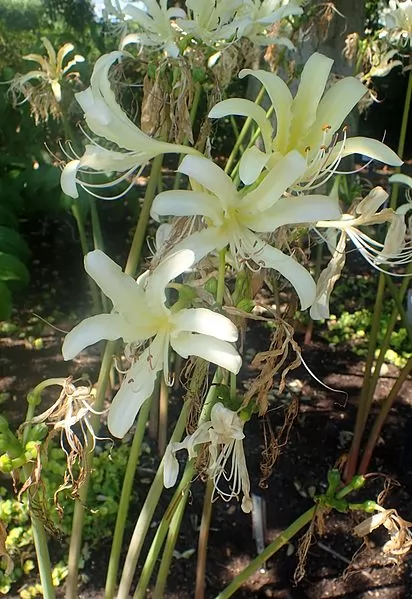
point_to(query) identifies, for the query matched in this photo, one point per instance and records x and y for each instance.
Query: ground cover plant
(217, 196)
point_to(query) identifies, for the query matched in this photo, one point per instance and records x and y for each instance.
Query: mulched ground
(337, 566)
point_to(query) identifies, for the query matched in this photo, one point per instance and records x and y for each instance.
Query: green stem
(162, 531)
(380, 420)
(243, 132)
(366, 397)
(171, 540)
(139, 234)
(146, 514)
(270, 550)
(78, 515)
(98, 243)
(220, 291)
(398, 296)
(43, 557)
(125, 500)
(163, 413)
(203, 540)
(85, 249)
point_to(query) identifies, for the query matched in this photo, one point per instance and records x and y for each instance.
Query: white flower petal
(368, 147)
(251, 165)
(94, 329)
(281, 100)
(203, 242)
(209, 175)
(68, 179)
(294, 210)
(214, 350)
(400, 178)
(372, 202)
(294, 272)
(170, 268)
(170, 467)
(202, 320)
(187, 203)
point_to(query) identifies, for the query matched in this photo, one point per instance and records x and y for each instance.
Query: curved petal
(170, 467)
(372, 202)
(94, 329)
(281, 100)
(334, 107)
(68, 179)
(401, 178)
(102, 159)
(187, 203)
(368, 147)
(120, 288)
(294, 272)
(295, 210)
(202, 320)
(213, 350)
(210, 176)
(290, 168)
(204, 242)
(311, 87)
(137, 386)
(169, 268)
(246, 108)
(252, 164)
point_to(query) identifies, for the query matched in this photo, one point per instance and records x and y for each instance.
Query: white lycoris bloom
(224, 433)
(395, 251)
(256, 18)
(234, 217)
(398, 21)
(307, 123)
(106, 119)
(211, 22)
(157, 25)
(140, 315)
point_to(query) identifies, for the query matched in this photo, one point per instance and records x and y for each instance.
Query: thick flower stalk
(307, 123)
(233, 218)
(149, 328)
(394, 252)
(106, 119)
(227, 464)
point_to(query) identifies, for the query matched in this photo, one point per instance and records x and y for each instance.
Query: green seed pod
(6, 464)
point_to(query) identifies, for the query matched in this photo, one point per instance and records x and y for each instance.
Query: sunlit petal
(201, 320)
(204, 346)
(94, 329)
(187, 203)
(209, 175)
(251, 165)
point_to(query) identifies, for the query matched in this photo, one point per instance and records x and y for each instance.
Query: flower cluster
(397, 19)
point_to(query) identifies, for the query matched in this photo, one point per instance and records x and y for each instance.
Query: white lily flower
(234, 217)
(140, 315)
(398, 22)
(224, 433)
(157, 24)
(257, 17)
(211, 22)
(107, 120)
(307, 123)
(395, 251)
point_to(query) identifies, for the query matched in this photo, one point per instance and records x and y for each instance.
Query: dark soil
(337, 564)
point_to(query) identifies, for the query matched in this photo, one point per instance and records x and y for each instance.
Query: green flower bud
(6, 464)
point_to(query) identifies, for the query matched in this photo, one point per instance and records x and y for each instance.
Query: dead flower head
(400, 533)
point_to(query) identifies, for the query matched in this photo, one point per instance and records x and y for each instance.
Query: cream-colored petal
(202, 320)
(68, 179)
(204, 242)
(281, 100)
(171, 267)
(327, 280)
(401, 178)
(94, 329)
(294, 272)
(368, 147)
(242, 107)
(372, 202)
(210, 176)
(187, 203)
(251, 165)
(213, 350)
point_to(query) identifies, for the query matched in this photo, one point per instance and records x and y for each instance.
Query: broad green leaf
(11, 242)
(13, 272)
(5, 302)
(8, 218)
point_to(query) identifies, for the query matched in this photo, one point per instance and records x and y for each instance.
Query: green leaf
(8, 218)
(5, 302)
(13, 272)
(11, 242)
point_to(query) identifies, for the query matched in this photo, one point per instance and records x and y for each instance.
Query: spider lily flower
(45, 97)
(227, 463)
(257, 18)
(211, 22)
(398, 22)
(308, 123)
(142, 319)
(157, 24)
(395, 251)
(106, 119)
(234, 217)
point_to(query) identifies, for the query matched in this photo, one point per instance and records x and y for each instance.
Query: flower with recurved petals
(142, 319)
(398, 22)
(106, 119)
(234, 217)
(395, 251)
(307, 123)
(224, 434)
